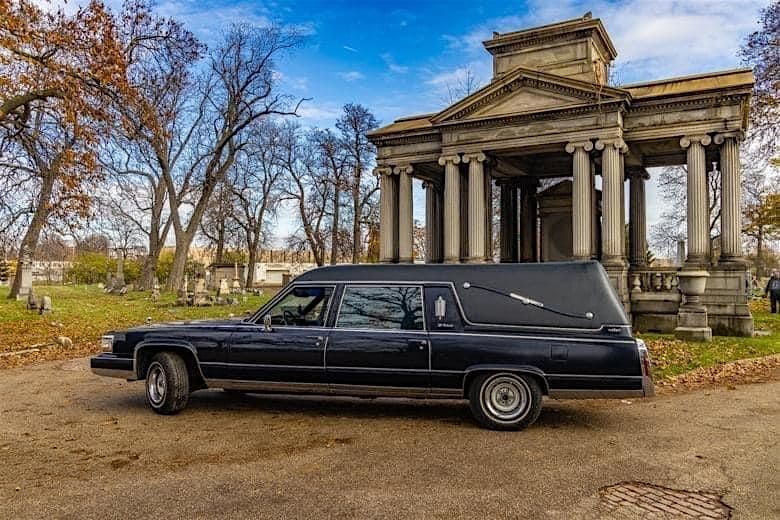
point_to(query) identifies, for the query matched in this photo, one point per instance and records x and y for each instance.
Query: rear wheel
(505, 401)
(167, 383)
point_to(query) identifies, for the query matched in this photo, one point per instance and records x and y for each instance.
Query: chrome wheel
(156, 385)
(506, 398)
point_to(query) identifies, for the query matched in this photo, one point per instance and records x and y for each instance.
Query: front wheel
(505, 401)
(167, 384)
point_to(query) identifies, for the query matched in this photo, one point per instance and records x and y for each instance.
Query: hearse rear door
(379, 341)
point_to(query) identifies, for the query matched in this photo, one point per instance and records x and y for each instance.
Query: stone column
(488, 214)
(387, 213)
(698, 206)
(508, 231)
(637, 223)
(611, 198)
(528, 216)
(433, 251)
(451, 208)
(476, 216)
(405, 214)
(582, 233)
(731, 203)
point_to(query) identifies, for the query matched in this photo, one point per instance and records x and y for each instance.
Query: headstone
(223, 290)
(45, 306)
(25, 271)
(32, 301)
(156, 290)
(119, 280)
(201, 296)
(236, 287)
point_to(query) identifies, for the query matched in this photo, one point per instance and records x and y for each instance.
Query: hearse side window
(302, 307)
(393, 307)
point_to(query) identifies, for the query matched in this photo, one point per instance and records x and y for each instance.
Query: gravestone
(156, 290)
(201, 296)
(236, 287)
(45, 306)
(119, 279)
(25, 271)
(32, 301)
(223, 290)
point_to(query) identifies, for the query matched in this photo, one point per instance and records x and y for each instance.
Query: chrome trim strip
(545, 338)
(594, 394)
(339, 389)
(594, 376)
(115, 372)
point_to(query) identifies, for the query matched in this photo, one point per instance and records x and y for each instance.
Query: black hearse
(501, 336)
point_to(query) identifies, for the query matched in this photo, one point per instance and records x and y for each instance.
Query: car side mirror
(267, 323)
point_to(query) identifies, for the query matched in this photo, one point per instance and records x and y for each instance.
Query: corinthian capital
(444, 159)
(616, 142)
(702, 139)
(478, 157)
(585, 145)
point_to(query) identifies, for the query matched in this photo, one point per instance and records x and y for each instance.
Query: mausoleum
(549, 113)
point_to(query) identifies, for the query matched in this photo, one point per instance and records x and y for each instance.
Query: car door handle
(318, 339)
(418, 344)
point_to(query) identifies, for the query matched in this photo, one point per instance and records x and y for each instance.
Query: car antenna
(529, 301)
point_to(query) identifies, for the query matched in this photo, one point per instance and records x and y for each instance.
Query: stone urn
(692, 315)
(692, 284)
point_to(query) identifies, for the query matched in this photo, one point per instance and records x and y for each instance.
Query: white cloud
(352, 75)
(392, 66)
(654, 40)
(350, 49)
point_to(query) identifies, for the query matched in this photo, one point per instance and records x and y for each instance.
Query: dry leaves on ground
(741, 372)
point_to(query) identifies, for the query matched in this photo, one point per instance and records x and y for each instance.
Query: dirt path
(73, 445)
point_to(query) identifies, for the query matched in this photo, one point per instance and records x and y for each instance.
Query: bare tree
(237, 90)
(306, 188)
(672, 185)
(256, 181)
(354, 125)
(331, 160)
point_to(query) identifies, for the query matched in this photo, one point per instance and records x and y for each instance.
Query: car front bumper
(110, 365)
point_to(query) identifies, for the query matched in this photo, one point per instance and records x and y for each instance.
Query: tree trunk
(156, 238)
(250, 266)
(760, 252)
(30, 240)
(334, 239)
(176, 278)
(356, 211)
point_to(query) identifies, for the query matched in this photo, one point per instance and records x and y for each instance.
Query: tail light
(644, 358)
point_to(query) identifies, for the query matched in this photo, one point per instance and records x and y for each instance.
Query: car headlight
(107, 343)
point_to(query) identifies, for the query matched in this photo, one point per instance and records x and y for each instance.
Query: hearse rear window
(394, 307)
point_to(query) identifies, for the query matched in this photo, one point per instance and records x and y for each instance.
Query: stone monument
(201, 296)
(25, 271)
(692, 315)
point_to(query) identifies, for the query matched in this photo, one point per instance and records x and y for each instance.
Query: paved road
(73, 445)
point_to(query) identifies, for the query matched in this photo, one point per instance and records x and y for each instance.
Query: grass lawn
(672, 357)
(83, 313)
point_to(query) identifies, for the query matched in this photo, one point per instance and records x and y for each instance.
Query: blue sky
(399, 57)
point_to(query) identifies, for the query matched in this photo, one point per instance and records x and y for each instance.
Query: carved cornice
(526, 82)
(513, 119)
(702, 139)
(586, 145)
(667, 105)
(397, 140)
(444, 159)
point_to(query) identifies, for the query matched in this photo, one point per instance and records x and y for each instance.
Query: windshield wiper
(529, 301)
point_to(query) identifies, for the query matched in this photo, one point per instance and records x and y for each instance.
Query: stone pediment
(526, 91)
